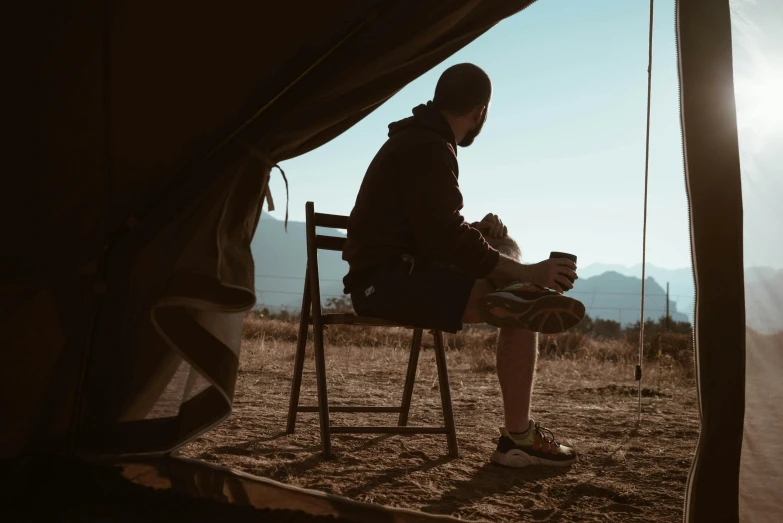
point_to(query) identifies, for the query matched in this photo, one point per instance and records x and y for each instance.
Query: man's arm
(552, 273)
(433, 203)
(509, 269)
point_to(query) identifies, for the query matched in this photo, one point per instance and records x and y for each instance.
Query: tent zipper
(694, 338)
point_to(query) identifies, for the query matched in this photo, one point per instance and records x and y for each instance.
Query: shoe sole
(548, 315)
(519, 459)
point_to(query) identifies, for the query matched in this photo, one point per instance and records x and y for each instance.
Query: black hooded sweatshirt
(410, 203)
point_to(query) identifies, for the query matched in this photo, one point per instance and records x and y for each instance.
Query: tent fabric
(715, 203)
(732, 160)
(172, 488)
(158, 126)
(207, 481)
(758, 78)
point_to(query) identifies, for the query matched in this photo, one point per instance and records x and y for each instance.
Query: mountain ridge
(609, 291)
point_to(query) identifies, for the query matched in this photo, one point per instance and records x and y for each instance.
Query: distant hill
(763, 290)
(280, 260)
(608, 291)
(680, 281)
(614, 296)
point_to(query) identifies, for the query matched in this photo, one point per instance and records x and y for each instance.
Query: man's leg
(516, 363)
(516, 351)
(515, 359)
(525, 305)
(521, 443)
(516, 367)
(436, 296)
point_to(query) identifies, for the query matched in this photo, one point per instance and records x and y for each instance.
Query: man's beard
(468, 139)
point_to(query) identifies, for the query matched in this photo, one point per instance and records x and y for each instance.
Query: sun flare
(759, 98)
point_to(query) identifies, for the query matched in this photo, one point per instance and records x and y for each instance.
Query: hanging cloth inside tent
(268, 165)
(270, 203)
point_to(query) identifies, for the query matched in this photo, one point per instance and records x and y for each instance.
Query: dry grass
(585, 391)
(669, 356)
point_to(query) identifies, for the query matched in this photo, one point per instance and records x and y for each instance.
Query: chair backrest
(331, 221)
(317, 241)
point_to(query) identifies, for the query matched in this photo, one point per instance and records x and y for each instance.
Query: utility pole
(667, 305)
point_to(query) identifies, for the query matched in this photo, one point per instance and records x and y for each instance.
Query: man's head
(462, 94)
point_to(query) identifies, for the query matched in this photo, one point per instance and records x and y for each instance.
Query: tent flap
(159, 141)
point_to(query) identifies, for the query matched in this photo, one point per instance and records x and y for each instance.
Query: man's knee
(506, 246)
(480, 289)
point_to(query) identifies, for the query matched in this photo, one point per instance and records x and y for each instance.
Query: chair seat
(354, 319)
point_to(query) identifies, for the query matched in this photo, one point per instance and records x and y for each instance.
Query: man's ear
(478, 113)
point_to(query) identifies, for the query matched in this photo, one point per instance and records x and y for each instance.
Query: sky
(757, 53)
(561, 156)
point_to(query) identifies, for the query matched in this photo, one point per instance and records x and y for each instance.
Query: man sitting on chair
(415, 261)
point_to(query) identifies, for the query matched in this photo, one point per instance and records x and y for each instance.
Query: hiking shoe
(532, 307)
(537, 448)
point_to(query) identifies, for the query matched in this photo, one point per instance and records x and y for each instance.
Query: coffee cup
(566, 255)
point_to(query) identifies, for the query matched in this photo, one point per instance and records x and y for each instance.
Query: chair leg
(320, 372)
(445, 394)
(301, 345)
(410, 377)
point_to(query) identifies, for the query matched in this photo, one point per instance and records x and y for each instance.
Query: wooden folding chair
(311, 313)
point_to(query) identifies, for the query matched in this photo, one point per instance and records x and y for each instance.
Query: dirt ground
(622, 474)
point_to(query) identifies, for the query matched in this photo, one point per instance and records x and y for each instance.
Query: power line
(298, 293)
(647, 295)
(597, 294)
(291, 278)
(588, 309)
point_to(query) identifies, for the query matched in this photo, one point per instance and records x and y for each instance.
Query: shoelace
(546, 435)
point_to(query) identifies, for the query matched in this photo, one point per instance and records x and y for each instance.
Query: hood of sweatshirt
(425, 116)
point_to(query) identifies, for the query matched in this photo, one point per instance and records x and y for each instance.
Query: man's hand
(553, 273)
(492, 227)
